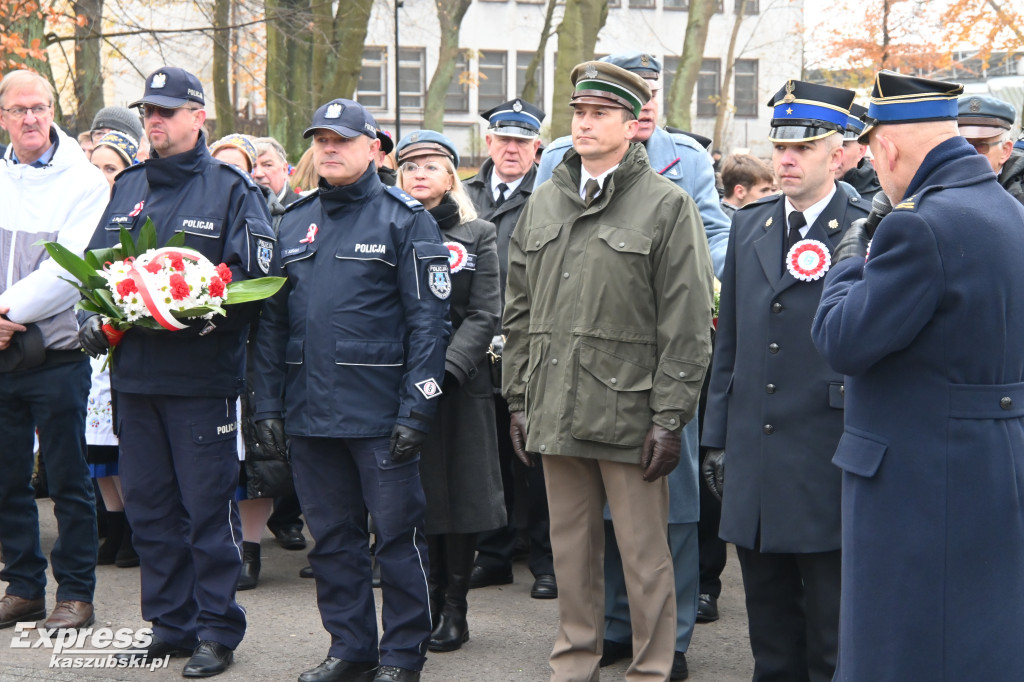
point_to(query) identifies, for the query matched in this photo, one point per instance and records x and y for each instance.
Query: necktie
(591, 189)
(502, 188)
(796, 221)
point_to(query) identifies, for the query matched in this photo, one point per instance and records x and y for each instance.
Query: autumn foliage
(18, 18)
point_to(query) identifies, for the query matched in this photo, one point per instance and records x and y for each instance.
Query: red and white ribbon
(151, 296)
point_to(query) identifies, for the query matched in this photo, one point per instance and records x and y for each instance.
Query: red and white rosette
(457, 256)
(808, 260)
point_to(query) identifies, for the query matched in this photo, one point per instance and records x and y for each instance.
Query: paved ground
(511, 634)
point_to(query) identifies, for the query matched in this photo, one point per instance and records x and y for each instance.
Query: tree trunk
(288, 73)
(577, 36)
(724, 106)
(338, 48)
(529, 92)
(224, 108)
(449, 15)
(681, 95)
(88, 66)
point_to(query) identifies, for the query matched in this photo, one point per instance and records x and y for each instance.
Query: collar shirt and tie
(502, 190)
(800, 222)
(591, 186)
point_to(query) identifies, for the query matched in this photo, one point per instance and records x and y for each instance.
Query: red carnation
(224, 272)
(127, 287)
(179, 287)
(177, 263)
(153, 267)
(216, 286)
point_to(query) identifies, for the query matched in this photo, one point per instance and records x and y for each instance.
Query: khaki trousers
(577, 489)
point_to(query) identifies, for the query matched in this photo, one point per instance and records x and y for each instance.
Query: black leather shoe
(249, 578)
(290, 538)
(158, 648)
(679, 669)
(306, 572)
(209, 659)
(544, 587)
(390, 673)
(707, 609)
(484, 577)
(337, 670)
(615, 651)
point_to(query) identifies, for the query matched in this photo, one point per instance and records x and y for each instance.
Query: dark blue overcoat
(931, 333)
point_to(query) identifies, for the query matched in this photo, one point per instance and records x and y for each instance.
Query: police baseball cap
(344, 117)
(426, 143)
(514, 118)
(854, 123)
(171, 88)
(603, 83)
(981, 116)
(896, 98)
(642, 64)
(804, 111)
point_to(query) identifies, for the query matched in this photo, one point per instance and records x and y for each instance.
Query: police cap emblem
(975, 105)
(590, 71)
(645, 60)
(517, 106)
(159, 81)
(334, 111)
(790, 97)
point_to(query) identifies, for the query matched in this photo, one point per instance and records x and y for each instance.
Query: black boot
(126, 556)
(250, 575)
(115, 531)
(436, 580)
(452, 631)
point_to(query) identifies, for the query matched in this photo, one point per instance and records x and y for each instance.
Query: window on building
(751, 8)
(745, 87)
(412, 78)
(522, 64)
(641, 4)
(708, 87)
(493, 79)
(677, 4)
(456, 101)
(372, 91)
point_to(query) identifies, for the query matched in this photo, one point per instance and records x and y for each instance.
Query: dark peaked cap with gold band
(604, 83)
(896, 98)
(806, 111)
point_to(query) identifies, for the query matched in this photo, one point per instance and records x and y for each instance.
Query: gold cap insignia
(790, 97)
(645, 60)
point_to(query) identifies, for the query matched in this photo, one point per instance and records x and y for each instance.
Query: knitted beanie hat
(121, 119)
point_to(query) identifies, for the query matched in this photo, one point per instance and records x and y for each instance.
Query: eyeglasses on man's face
(21, 112)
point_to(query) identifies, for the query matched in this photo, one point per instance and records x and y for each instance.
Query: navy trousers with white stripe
(179, 471)
(338, 480)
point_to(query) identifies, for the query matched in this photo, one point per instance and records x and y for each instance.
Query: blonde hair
(305, 176)
(467, 211)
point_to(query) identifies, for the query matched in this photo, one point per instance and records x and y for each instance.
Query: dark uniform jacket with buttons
(929, 331)
(773, 403)
(355, 340)
(224, 216)
(459, 460)
(607, 311)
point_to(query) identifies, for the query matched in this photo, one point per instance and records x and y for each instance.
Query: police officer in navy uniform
(500, 191)
(351, 356)
(774, 410)
(176, 391)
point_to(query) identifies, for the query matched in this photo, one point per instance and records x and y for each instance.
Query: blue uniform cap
(896, 98)
(344, 117)
(426, 143)
(171, 88)
(642, 64)
(807, 111)
(981, 116)
(854, 124)
(514, 118)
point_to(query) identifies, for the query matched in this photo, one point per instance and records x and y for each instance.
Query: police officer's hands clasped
(270, 436)
(92, 338)
(405, 443)
(661, 452)
(517, 432)
(713, 472)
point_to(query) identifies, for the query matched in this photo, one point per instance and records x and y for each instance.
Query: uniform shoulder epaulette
(764, 201)
(681, 139)
(237, 171)
(301, 201)
(908, 204)
(400, 195)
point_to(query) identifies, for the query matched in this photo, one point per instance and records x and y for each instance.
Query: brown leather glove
(660, 453)
(517, 432)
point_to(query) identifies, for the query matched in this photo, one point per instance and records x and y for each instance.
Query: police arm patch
(429, 388)
(439, 281)
(264, 254)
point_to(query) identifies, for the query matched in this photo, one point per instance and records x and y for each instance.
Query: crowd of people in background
(518, 361)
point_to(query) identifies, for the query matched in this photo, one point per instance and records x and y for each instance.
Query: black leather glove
(713, 472)
(854, 243)
(270, 436)
(517, 432)
(405, 442)
(660, 453)
(91, 336)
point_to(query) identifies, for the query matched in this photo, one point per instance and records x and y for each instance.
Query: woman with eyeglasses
(459, 460)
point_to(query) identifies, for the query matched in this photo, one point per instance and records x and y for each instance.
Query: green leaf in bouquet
(90, 307)
(176, 240)
(253, 289)
(198, 312)
(147, 237)
(128, 248)
(97, 258)
(106, 301)
(78, 268)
